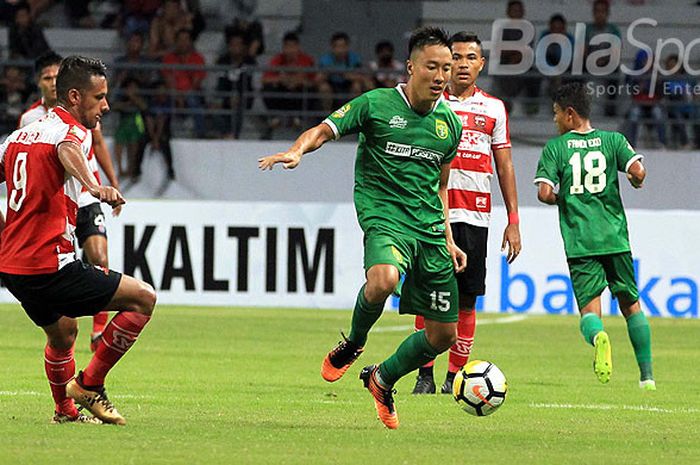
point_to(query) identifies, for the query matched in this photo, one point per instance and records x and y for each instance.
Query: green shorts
(430, 287)
(131, 129)
(591, 275)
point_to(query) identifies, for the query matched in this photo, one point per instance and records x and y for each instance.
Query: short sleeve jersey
(400, 154)
(39, 110)
(585, 166)
(42, 203)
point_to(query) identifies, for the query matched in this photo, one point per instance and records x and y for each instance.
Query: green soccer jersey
(585, 165)
(399, 157)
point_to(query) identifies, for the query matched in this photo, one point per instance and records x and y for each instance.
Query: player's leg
(92, 238)
(588, 281)
(425, 381)
(430, 289)
(383, 261)
(59, 363)
(462, 349)
(134, 301)
(620, 275)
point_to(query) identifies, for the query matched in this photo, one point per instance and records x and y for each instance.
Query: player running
(485, 136)
(44, 166)
(90, 229)
(408, 137)
(584, 162)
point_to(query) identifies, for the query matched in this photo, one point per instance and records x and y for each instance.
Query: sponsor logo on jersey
(342, 111)
(441, 129)
(397, 122)
(405, 150)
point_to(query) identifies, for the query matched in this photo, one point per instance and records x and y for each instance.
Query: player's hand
(511, 239)
(109, 195)
(459, 258)
(634, 183)
(289, 160)
(116, 211)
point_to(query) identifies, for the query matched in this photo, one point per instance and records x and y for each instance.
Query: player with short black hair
(408, 137)
(45, 166)
(583, 162)
(91, 231)
(485, 142)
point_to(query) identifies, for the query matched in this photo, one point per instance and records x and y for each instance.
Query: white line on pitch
(34, 393)
(492, 321)
(638, 408)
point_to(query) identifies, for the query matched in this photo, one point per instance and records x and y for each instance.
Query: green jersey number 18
(594, 165)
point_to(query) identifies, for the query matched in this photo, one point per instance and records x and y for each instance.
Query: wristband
(513, 218)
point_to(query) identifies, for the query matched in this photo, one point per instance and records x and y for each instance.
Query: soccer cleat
(94, 341)
(60, 418)
(648, 385)
(95, 400)
(447, 385)
(383, 398)
(424, 385)
(339, 359)
(602, 363)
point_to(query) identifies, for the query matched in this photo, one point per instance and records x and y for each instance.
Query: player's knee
(63, 340)
(146, 299)
(380, 286)
(443, 340)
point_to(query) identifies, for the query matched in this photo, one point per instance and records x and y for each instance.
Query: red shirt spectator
(184, 54)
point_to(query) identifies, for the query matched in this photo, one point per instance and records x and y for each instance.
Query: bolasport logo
(603, 61)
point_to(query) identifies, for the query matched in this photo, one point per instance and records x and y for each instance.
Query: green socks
(363, 318)
(640, 337)
(413, 353)
(590, 325)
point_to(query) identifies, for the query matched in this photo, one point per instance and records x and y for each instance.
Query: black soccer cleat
(425, 384)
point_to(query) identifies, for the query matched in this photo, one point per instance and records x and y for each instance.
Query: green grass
(242, 386)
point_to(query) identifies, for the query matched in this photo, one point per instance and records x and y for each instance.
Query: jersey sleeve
(501, 130)
(625, 153)
(74, 134)
(547, 169)
(350, 118)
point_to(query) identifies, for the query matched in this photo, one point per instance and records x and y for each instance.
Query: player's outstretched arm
(308, 141)
(506, 181)
(71, 157)
(636, 174)
(459, 258)
(105, 160)
(546, 194)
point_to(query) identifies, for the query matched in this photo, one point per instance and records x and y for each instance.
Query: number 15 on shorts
(440, 301)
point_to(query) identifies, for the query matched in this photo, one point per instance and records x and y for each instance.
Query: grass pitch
(242, 386)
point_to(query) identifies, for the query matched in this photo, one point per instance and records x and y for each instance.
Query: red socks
(60, 368)
(99, 321)
(119, 335)
(460, 351)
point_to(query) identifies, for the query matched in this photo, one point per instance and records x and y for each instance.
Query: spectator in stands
(130, 106)
(294, 84)
(677, 88)
(387, 71)
(158, 118)
(134, 56)
(164, 28)
(137, 16)
(26, 38)
(509, 87)
(646, 101)
(553, 55)
(78, 12)
(235, 84)
(601, 25)
(252, 31)
(187, 83)
(14, 92)
(343, 76)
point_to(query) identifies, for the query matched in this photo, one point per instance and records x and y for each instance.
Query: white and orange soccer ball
(480, 388)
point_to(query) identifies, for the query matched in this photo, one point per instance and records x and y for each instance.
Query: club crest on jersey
(342, 111)
(480, 121)
(77, 132)
(397, 255)
(397, 122)
(441, 129)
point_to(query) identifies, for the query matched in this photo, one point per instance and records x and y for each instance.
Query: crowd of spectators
(161, 79)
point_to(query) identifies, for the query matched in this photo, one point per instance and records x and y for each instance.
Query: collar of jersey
(454, 98)
(399, 88)
(67, 117)
(582, 132)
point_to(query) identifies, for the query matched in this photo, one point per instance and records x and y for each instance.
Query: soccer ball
(480, 388)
